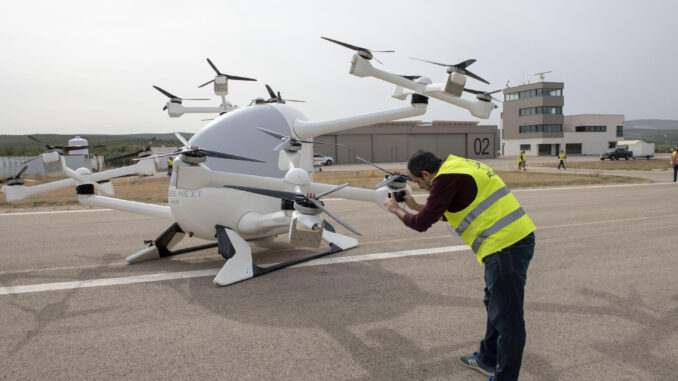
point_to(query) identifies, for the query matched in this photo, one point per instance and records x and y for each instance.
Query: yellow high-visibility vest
(561, 156)
(495, 219)
(521, 158)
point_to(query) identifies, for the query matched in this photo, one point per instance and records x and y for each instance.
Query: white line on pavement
(55, 212)
(211, 272)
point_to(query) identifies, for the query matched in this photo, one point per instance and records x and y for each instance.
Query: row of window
(546, 92)
(570, 148)
(541, 128)
(590, 129)
(540, 110)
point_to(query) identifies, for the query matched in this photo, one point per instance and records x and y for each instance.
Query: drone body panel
(198, 211)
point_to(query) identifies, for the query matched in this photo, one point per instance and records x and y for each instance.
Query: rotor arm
(150, 210)
(309, 129)
(361, 67)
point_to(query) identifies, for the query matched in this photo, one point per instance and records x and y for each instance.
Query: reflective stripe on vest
(494, 220)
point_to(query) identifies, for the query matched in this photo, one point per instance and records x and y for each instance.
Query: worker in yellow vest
(483, 212)
(170, 164)
(674, 161)
(522, 161)
(562, 157)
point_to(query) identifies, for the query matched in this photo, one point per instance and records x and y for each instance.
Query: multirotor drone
(247, 176)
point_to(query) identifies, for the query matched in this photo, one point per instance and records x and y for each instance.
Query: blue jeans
(675, 172)
(505, 277)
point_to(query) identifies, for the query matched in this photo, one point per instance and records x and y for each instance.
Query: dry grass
(629, 165)
(154, 189)
(514, 179)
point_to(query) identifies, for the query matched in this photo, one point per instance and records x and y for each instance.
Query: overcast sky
(87, 67)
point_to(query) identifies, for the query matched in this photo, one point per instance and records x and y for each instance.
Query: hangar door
(326, 149)
(441, 145)
(390, 148)
(352, 146)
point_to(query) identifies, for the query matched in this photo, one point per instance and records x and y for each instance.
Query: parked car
(616, 154)
(319, 159)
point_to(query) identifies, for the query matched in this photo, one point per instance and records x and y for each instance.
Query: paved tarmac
(601, 299)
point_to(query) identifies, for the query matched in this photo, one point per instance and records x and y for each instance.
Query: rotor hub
(193, 158)
(307, 207)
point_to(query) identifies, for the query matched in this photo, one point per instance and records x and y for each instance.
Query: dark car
(616, 154)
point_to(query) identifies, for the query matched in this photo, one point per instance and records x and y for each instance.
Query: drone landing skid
(239, 265)
(162, 246)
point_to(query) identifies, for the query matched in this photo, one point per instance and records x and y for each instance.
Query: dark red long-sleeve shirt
(449, 192)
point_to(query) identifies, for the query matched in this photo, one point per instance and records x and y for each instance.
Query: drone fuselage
(197, 209)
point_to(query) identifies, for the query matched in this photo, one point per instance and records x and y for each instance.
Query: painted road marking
(56, 212)
(211, 272)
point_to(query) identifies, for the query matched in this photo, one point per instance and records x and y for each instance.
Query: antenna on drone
(541, 75)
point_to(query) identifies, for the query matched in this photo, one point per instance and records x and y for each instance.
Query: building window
(541, 128)
(553, 110)
(573, 149)
(590, 129)
(525, 147)
(545, 92)
(620, 131)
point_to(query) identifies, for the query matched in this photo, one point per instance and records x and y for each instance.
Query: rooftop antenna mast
(541, 75)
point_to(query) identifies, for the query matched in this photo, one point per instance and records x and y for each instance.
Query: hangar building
(396, 141)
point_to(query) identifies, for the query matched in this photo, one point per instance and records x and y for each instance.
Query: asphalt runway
(601, 299)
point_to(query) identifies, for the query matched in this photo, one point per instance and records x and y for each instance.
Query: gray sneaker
(473, 362)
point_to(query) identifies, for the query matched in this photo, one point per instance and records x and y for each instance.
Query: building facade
(533, 121)
(397, 141)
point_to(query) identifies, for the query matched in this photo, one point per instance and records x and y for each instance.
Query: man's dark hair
(423, 161)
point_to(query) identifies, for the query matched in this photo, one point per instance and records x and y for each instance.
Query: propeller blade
(270, 91)
(383, 51)
(345, 44)
(39, 141)
(283, 145)
(31, 159)
(124, 156)
(237, 78)
(74, 148)
(344, 185)
(330, 144)
(374, 165)
(227, 156)
(206, 83)
(320, 206)
(294, 100)
(474, 76)
(181, 138)
(214, 67)
(194, 99)
(435, 63)
(280, 99)
(389, 180)
(290, 196)
(21, 172)
(465, 64)
(166, 93)
(473, 91)
(272, 133)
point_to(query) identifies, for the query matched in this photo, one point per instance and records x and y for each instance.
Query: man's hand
(391, 204)
(410, 202)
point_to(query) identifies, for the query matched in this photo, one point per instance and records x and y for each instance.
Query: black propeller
(175, 99)
(197, 153)
(277, 98)
(459, 68)
(220, 74)
(392, 177)
(16, 179)
(289, 141)
(309, 200)
(62, 150)
(146, 150)
(362, 52)
(483, 95)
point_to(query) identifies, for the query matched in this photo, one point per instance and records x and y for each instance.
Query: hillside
(651, 124)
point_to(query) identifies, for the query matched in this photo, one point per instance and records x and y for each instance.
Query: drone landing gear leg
(162, 246)
(239, 265)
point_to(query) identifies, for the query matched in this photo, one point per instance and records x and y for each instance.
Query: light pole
(666, 142)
